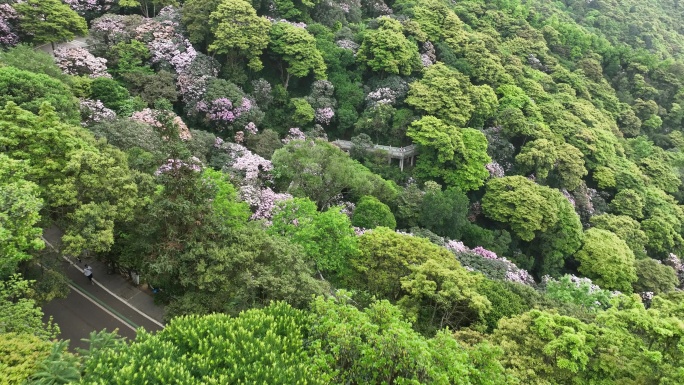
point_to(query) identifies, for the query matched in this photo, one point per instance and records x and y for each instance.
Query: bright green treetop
(20, 206)
(298, 52)
(49, 21)
(387, 50)
(607, 260)
(238, 31)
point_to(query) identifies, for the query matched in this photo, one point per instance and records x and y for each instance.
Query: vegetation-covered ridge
(536, 240)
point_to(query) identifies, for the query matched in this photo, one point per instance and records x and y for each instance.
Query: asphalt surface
(90, 308)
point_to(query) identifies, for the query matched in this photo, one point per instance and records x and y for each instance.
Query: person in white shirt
(88, 271)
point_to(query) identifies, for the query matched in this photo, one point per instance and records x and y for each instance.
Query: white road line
(161, 325)
(103, 308)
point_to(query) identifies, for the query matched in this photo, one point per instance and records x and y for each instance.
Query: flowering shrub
(108, 30)
(155, 118)
(174, 166)
(93, 111)
(261, 200)
(262, 92)
(489, 263)
(292, 23)
(674, 262)
(194, 79)
(239, 137)
(222, 112)
(348, 45)
(568, 196)
(324, 115)
(79, 61)
(8, 16)
(495, 170)
(84, 7)
(391, 90)
(294, 134)
(168, 47)
(251, 128)
(428, 56)
(376, 7)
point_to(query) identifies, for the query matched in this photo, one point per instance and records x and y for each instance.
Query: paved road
(90, 308)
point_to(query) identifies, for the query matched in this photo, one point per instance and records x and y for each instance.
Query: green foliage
(578, 291)
(30, 90)
(628, 229)
(20, 206)
(112, 94)
(49, 21)
(505, 302)
(238, 31)
(326, 237)
(20, 355)
(24, 57)
(19, 314)
(653, 276)
(537, 157)
(607, 260)
(225, 204)
(297, 50)
(628, 202)
(194, 18)
(370, 213)
(378, 346)
(320, 171)
(541, 347)
(521, 204)
(444, 212)
(452, 155)
(445, 93)
(59, 367)
(387, 50)
(303, 112)
(85, 182)
(425, 279)
(258, 346)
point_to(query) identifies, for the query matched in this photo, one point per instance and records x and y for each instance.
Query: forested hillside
(536, 239)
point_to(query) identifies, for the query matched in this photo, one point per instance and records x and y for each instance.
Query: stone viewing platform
(401, 153)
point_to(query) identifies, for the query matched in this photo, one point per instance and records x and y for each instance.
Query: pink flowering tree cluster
(93, 112)
(90, 8)
(79, 61)
(192, 82)
(108, 30)
(159, 119)
(495, 170)
(176, 167)
(322, 99)
(489, 263)
(391, 90)
(8, 16)
(294, 133)
(674, 262)
(262, 200)
(324, 115)
(252, 173)
(222, 113)
(168, 47)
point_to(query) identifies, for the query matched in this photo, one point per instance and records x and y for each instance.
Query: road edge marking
(154, 321)
(103, 308)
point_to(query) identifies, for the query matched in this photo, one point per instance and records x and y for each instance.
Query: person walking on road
(88, 271)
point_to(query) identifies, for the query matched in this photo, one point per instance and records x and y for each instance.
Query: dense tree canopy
(512, 167)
